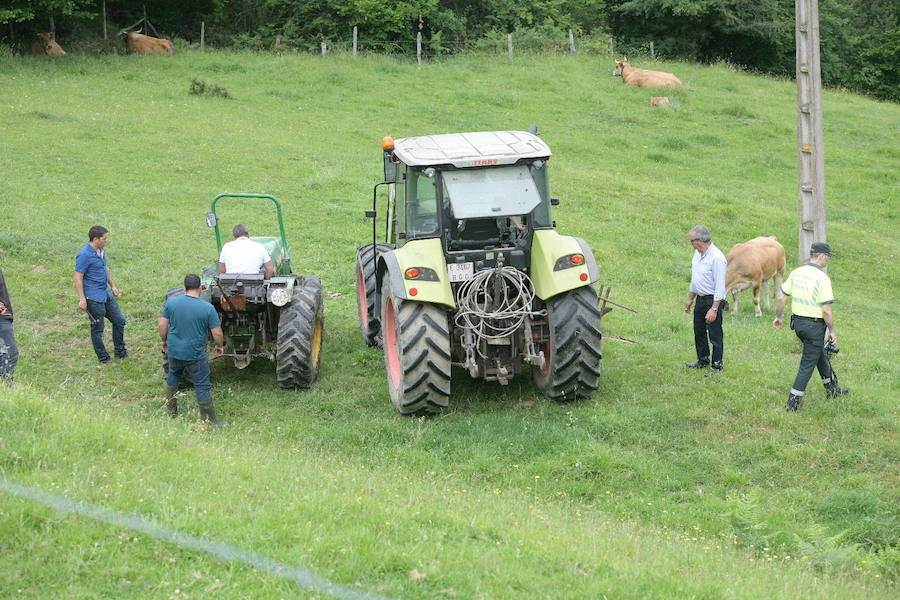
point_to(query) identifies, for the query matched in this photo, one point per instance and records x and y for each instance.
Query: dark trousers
(9, 352)
(107, 310)
(708, 333)
(195, 370)
(812, 333)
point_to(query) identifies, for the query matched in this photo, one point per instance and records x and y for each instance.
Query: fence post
(104, 20)
(612, 47)
(652, 51)
(419, 47)
(202, 35)
(355, 32)
(571, 42)
(324, 48)
(509, 44)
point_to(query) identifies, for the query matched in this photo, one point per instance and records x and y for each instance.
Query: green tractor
(281, 318)
(472, 273)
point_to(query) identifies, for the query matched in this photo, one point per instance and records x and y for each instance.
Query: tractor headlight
(280, 296)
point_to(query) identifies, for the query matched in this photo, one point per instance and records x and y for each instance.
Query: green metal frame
(229, 195)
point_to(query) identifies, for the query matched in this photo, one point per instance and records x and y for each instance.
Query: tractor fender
(547, 248)
(424, 255)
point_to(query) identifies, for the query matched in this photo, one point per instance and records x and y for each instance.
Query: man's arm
(79, 289)
(164, 332)
(829, 322)
(779, 310)
(270, 270)
(222, 267)
(689, 301)
(219, 338)
(112, 285)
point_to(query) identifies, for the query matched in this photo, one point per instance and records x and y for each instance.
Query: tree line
(860, 38)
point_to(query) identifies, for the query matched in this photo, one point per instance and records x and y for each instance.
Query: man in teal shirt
(184, 326)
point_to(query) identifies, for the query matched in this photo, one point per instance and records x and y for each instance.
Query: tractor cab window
(421, 205)
(491, 193)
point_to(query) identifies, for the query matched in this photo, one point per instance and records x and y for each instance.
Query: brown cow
(642, 77)
(44, 43)
(752, 264)
(144, 44)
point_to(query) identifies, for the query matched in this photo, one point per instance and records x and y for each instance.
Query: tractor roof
(478, 149)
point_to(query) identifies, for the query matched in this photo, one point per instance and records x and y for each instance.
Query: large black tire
(572, 355)
(416, 354)
(369, 325)
(301, 327)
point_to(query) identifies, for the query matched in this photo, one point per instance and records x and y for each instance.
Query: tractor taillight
(412, 273)
(420, 274)
(577, 259)
(568, 261)
(387, 143)
(583, 276)
(413, 292)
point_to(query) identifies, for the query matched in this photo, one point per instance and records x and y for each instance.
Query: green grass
(664, 485)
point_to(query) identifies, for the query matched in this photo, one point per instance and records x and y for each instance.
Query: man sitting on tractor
(244, 255)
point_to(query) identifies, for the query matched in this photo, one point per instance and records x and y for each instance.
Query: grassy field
(665, 485)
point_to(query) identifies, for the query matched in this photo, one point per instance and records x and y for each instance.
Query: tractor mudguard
(428, 257)
(548, 252)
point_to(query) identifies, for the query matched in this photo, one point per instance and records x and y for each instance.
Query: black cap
(820, 248)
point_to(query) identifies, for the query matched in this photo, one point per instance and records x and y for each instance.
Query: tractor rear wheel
(369, 325)
(301, 327)
(572, 355)
(416, 354)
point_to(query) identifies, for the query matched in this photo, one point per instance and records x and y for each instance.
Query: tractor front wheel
(365, 291)
(301, 327)
(572, 355)
(416, 354)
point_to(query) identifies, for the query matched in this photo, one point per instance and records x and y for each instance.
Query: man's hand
(220, 350)
(115, 291)
(832, 336)
(82, 304)
(687, 306)
(165, 348)
(777, 323)
(711, 315)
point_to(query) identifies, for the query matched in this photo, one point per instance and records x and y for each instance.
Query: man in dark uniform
(9, 352)
(184, 325)
(810, 290)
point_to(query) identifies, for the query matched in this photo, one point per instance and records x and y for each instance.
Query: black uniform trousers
(812, 333)
(706, 333)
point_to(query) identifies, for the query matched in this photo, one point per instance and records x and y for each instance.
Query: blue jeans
(107, 310)
(9, 352)
(195, 370)
(706, 333)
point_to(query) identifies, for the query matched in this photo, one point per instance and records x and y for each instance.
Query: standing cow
(752, 264)
(642, 77)
(44, 43)
(144, 44)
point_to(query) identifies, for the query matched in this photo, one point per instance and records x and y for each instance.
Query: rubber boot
(208, 413)
(833, 390)
(171, 400)
(793, 403)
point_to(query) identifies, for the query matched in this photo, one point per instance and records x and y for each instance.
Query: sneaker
(107, 363)
(697, 365)
(715, 370)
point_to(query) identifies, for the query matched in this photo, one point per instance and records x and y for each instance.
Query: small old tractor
(471, 272)
(281, 319)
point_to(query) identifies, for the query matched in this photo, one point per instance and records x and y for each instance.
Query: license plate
(460, 271)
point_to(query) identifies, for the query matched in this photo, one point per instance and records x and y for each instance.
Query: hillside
(664, 485)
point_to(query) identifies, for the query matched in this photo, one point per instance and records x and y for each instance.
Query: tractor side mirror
(211, 220)
(390, 168)
(554, 201)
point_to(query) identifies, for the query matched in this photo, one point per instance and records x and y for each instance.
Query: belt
(816, 319)
(705, 297)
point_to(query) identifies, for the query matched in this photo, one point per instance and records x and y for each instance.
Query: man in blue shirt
(708, 287)
(184, 326)
(9, 351)
(97, 294)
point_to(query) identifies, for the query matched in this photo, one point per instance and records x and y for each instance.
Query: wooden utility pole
(810, 135)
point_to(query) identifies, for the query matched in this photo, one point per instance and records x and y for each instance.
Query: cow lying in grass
(45, 44)
(752, 264)
(144, 44)
(642, 77)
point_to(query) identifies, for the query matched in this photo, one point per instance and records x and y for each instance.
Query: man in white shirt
(243, 255)
(708, 288)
